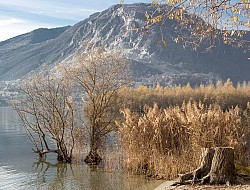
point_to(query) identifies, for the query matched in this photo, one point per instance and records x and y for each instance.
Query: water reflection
(70, 176)
(20, 170)
(49, 174)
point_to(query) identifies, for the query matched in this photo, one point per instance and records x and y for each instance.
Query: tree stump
(217, 167)
(223, 168)
(205, 166)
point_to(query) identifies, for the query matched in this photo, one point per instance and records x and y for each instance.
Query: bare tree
(48, 115)
(100, 75)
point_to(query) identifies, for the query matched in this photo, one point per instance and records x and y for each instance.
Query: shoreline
(167, 186)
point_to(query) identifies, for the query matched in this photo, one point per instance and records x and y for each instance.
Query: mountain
(24, 53)
(113, 28)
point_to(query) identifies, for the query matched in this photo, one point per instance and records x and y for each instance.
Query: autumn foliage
(202, 22)
(224, 94)
(162, 141)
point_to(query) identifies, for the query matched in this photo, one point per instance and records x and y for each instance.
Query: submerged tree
(48, 115)
(100, 75)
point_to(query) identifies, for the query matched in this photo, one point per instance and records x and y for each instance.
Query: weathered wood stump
(205, 166)
(217, 167)
(222, 168)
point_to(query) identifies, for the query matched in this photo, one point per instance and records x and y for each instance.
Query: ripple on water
(19, 172)
(11, 179)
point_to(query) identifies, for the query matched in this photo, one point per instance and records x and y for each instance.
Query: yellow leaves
(226, 33)
(156, 2)
(171, 16)
(232, 32)
(178, 14)
(176, 40)
(241, 33)
(235, 18)
(153, 19)
(236, 10)
(178, 17)
(121, 1)
(164, 42)
(147, 16)
(171, 2)
(158, 18)
(197, 27)
(247, 24)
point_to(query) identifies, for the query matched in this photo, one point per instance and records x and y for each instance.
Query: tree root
(217, 167)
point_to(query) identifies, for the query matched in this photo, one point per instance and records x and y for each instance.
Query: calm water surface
(19, 168)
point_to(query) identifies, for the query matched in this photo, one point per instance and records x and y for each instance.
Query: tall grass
(224, 94)
(162, 130)
(163, 142)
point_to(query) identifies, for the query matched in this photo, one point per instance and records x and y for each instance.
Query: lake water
(19, 168)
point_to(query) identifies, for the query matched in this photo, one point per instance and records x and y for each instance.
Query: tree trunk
(64, 158)
(61, 156)
(205, 166)
(93, 158)
(217, 165)
(223, 168)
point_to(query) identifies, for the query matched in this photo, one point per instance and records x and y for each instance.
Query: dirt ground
(243, 185)
(211, 187)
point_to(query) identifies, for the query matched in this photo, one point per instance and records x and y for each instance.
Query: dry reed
(165, 137)
(164, 142)
(224, 94)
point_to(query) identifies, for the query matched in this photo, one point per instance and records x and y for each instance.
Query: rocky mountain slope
(113, 29)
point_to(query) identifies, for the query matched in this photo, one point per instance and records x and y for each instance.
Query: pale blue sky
(21, 16)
